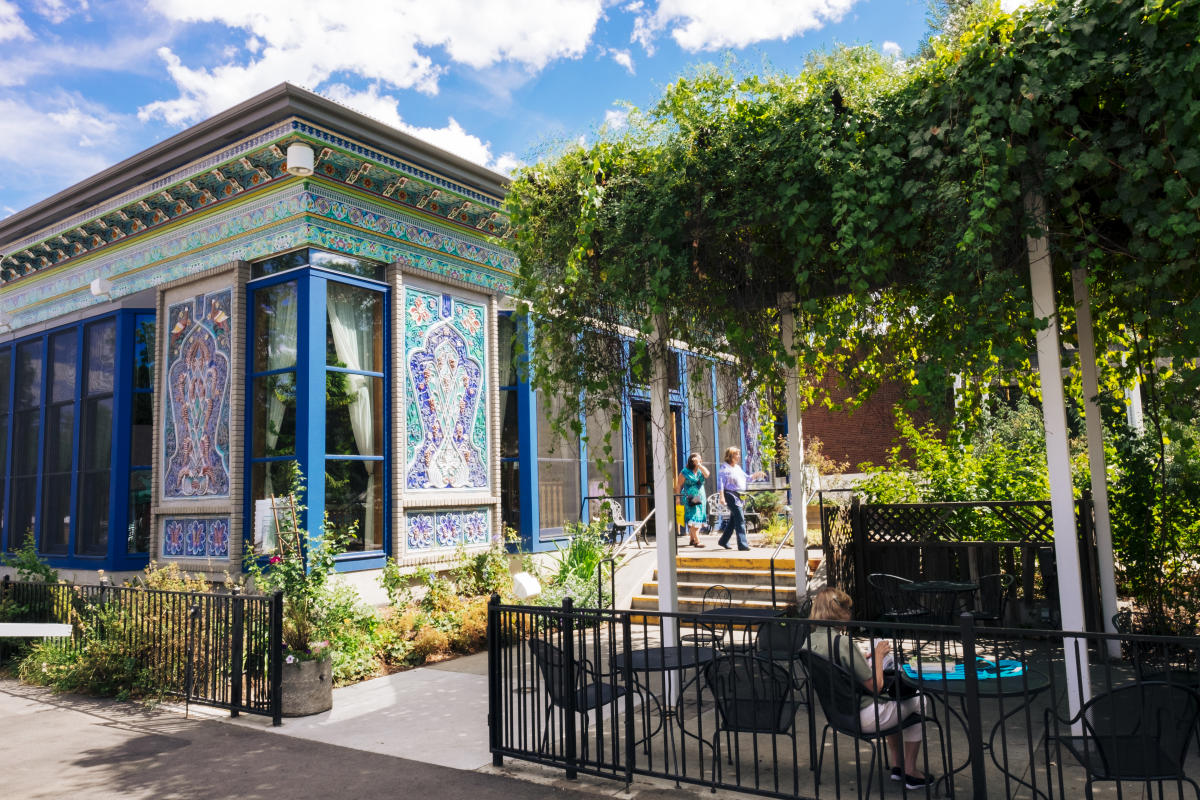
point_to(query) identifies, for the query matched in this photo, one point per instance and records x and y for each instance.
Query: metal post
(966, 624)
(236, 668)
(662, 441)
(787, 333)
(627, 678)
(275, 658)
(494, 706)
(189, 669)
(568, 683)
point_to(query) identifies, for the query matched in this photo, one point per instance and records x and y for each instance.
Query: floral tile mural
(751, 451)
(195, 537)
(445, 357)
(196, 418)
(438, 530)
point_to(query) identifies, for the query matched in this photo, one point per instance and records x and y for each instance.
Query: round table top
(664, 658)
(939, 586)
(1030, 682)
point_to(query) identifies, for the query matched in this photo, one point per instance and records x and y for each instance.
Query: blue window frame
(318, 400)
(67, 399)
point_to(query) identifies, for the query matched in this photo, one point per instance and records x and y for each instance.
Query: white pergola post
(662, 439)
(1058, 459)
(787, 332)
(1096, 462)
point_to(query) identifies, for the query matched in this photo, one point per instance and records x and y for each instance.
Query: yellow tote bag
(679, 515)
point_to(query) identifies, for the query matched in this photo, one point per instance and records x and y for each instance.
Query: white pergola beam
(662, 439)
(787, 332)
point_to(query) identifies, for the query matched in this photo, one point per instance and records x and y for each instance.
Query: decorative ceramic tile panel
(440, 530)
(751, 452)
(445, 358)
(196, 418)
(195, 537)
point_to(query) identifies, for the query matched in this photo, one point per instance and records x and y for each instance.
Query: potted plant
(301, 573)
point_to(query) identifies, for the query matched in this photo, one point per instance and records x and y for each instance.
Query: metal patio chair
(898, 605)
(993, 597)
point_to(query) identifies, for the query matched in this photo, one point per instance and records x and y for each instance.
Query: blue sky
(86, 84)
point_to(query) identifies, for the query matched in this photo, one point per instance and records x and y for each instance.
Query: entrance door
(643, 455)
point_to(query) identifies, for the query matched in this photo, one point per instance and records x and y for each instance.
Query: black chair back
(781, 639)
(716, 597)
(1130, 725)
(552, 664)
(896, 603)
(752, 695)
(993, 596)
(834, 687)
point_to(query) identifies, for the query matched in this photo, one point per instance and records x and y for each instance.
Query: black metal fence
(215, 649)
(751, 705)
(957, 541)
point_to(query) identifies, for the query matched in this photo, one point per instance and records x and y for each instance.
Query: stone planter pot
(307, 687)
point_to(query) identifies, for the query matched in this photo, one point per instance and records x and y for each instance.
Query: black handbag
(694, 500)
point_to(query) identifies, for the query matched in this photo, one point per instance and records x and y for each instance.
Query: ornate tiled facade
(195, 537)
(443, 530)
(445, 357)
(196, 406)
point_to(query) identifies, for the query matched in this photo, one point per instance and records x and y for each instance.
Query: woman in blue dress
(689, 485)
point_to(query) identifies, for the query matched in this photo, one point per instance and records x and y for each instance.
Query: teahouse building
(289, 284)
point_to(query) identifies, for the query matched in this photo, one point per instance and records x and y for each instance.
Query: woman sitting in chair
(878, 711)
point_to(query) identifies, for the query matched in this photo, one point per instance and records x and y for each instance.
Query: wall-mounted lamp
(101, 287)
(299, 160)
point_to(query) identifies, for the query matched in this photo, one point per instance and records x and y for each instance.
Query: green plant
(28, 565)
(774, 531)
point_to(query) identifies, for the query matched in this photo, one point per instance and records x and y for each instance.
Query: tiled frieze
(447, 529)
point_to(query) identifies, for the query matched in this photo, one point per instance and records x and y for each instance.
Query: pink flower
(275, 560)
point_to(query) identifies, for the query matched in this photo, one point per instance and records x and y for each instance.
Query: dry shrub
(471, 635)
(429, 643)
(170, 578)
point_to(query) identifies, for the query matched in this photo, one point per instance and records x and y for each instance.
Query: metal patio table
(942, 598)
(665, 660)
(993, 683)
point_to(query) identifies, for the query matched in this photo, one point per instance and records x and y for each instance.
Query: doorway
(643, 454)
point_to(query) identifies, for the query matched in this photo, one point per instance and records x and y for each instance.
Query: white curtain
(353, 327)
(281, 352)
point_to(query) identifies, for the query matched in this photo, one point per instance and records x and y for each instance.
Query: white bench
(33, 630)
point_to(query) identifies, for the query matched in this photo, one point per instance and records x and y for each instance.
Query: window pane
(297, 258)
(101, 354)
(143, 351)
(91, 538)
(3, 454)
(5, 370)
(510, 494)
(275, 415)
(276, 313)
(510, 443)
(96, 434)
(353, 414)
(141, 435)
(354, 328)
(29, 374)
(673, 379)
(354, 494)
(60, 428)
(506, 346)
(26, 426)
(729, 417)
(348, 264)
(63, 350)
(558, 470)
(138, 535)
(23, 500)
(606, 455)
(700, 417)
(270, 479)
(56, 513)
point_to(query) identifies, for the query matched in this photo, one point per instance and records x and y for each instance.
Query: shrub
(28, 565)
(471, 634)
(429, 643)
(170, 578)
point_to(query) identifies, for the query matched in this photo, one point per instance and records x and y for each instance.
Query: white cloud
(61, 140)
(453, 137)
(58, 11)
(391, 41)
(622, 57)
(1009, 6)
(12, 27)
(891, 49)
(616, 118)
(713, 24)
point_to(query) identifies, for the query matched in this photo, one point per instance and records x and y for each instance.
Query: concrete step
(733, 562)
(731, 577)
(693, 605)
(737, 592)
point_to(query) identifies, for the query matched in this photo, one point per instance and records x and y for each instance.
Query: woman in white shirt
(731, 483)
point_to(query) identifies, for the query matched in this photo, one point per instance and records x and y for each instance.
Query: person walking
(731, 483)
(689, 485)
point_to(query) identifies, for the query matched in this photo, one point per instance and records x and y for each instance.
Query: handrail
(615, 558)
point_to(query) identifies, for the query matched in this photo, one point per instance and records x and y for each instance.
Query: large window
(701, 424)
(66, 414)
(510, 422)
(318, 371)
(558, 470)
